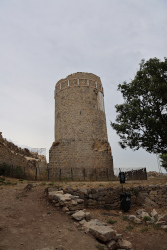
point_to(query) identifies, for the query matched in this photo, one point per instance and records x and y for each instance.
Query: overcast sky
(42, 41)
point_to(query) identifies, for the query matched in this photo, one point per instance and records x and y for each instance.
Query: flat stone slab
(103, 233)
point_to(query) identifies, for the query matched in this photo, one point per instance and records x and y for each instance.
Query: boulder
(144, 214)
(124, 244)
(163, 218)
(112, 245)
(92, 223)
(160, 222)
(80, 215)
(139, 211)
(154, 213)
(137, 221)
(131, 217)
(87, 216)
(164, 226)
(103, 233)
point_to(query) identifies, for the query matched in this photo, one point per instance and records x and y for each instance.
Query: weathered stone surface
(163, 218)
(144, 214)
(119, 236)
(112, 245)
(103, 233)
(79, 215)
(154, 213)
(87, 216)
(65, 209)
(124, 244)
(164, 226)
(149, 203)
(160, 222)
(92, 223)
(82, 151)
(137, 221)
(131, 217)
(139, 211)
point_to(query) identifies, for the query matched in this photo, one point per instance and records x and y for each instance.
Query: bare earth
(29, 221)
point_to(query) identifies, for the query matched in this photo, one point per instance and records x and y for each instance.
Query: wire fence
(132, 174)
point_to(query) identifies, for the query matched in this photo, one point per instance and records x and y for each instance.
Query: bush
(147, 218)
(18, 172)
(5, 169)
(112, 221)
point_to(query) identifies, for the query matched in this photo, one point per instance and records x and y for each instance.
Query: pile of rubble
(154, 174)
(74, 206)
(153, 218)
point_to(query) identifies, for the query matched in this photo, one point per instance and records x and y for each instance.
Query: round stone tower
(81, 150)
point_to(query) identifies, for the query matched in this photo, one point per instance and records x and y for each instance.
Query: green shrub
(130, 227)
(147, 218)
(156, 226)
(18, 172)
(144, 229)
(125, 217)
(100, 247)
(112, 221)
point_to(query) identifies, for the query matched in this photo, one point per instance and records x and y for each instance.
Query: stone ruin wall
(81, 150)
(142, 195)
(31, 163)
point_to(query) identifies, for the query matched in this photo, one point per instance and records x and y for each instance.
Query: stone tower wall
(80, 128)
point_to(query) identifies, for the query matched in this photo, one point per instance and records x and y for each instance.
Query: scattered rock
(124, 244)
(163, 218)
(112, 245)
(164, 226)
(131, 217)
(29, 187)
(79, 215)
(154, 213)
(103, 233)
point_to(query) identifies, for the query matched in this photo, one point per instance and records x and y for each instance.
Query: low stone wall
(152, 195)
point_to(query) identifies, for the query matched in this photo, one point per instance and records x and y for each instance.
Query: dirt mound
(154, 174)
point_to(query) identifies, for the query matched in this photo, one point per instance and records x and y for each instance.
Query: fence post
(48, 174)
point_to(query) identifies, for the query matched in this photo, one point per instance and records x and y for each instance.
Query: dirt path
(28, 221)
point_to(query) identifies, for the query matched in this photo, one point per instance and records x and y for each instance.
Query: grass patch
(106, 208)
(25, 195)
(147, 218)
(125, 217)
(130, 227)
(43, 183)
(100, 247)
(156, 226)
(112, 221)
(144, 229)
(51, 184)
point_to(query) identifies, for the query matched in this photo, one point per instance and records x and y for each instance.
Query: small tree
(163, 158)
(142, 118)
